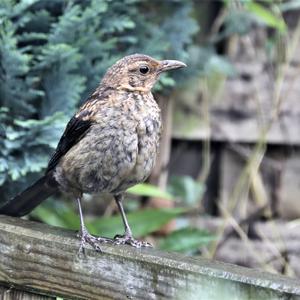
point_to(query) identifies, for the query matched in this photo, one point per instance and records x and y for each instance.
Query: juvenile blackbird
(109, 145)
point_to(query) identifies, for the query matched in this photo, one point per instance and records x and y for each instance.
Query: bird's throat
(127, 87)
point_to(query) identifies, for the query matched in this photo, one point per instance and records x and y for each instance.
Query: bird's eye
(144, 69)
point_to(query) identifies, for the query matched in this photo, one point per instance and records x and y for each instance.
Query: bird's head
(137, 72)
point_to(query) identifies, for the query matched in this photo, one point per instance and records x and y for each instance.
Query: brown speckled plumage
(109, 145)
(119, 148)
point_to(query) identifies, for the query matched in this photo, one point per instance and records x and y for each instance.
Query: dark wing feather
(79, 125)
(75, 129)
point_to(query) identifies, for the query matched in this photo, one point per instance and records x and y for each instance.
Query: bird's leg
(84, 235)
(127, 238)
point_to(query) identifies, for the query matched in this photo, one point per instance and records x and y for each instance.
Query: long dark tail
(27, 200)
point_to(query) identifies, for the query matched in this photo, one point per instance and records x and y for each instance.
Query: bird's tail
(27, 200)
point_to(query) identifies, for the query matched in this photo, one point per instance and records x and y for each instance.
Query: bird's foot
(129, 240)
(87, 238)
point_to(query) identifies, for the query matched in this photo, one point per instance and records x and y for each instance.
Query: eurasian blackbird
(109, 145)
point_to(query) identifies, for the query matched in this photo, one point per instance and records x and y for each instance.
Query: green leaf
(186, 240)
(141, 222)
(48, 216)
(30, 123)
(2, 178)
(186, 188)
(56, 213)
(266, 16)
(145, 189)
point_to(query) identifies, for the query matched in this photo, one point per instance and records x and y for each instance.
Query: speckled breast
(148, 132)
(118, 151)
(148, 144)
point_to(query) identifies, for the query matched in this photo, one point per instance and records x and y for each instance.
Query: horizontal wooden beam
(43, 259)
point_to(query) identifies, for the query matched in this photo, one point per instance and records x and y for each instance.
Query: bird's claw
(86, 238)
(129, 240)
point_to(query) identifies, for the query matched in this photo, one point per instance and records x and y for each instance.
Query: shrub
(53, 54)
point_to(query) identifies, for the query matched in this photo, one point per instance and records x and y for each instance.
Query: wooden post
(42, 259)
(159, 176)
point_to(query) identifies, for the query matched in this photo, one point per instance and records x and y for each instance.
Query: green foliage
(17, 89)
(187, 240)
(53, 54)
(142, 222)
(145, 189)
(265, 15)
(243, 14)
(57, 213)
(186, 189)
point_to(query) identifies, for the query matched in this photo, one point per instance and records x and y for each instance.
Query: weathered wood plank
(39, 258)
(7, 293)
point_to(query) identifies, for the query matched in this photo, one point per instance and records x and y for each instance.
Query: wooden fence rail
(36, 259)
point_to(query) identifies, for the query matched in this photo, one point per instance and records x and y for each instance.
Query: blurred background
(227, 182)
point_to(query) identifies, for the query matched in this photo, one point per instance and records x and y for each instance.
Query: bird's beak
(166, 65)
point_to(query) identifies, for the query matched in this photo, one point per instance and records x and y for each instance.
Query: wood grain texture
(7, 293)
(36, 257)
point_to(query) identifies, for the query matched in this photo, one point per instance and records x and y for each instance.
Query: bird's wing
(76, 128)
